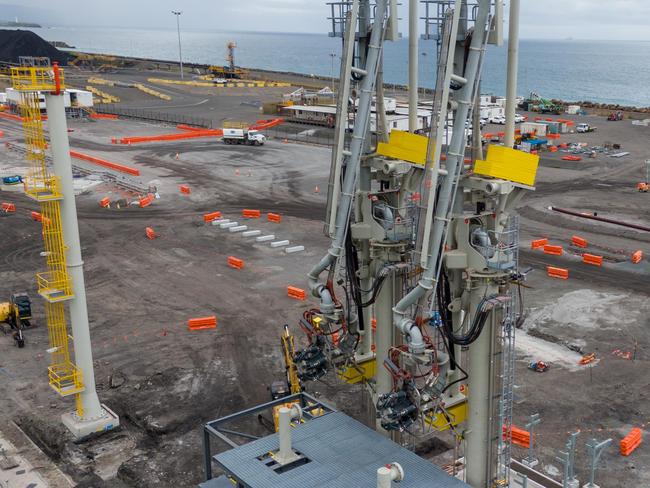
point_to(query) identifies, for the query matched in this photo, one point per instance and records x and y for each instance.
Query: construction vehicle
(291, 384)
(535, 103)
(642, 187)
(243, 136)
(615, 116)
(229, 71)
(17, 312)
(584, 128)
(12, 180)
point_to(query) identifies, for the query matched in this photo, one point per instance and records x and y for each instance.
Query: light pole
(178, 13)
(333, 56)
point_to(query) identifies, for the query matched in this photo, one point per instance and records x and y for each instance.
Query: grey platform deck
(343, 453)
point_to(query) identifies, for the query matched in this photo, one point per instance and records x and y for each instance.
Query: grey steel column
(413, 65)
(511, 85)
(60, 147)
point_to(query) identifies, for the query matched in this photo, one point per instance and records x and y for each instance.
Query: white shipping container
(529, 127)
(573, 109)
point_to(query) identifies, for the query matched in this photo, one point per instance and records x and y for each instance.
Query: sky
(540, 19)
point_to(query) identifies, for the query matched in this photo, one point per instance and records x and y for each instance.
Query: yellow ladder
(54, 285)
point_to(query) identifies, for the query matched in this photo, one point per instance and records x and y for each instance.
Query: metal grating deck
(344, 454)
(220, 482)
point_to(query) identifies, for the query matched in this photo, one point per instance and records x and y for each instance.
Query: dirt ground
(165, 381)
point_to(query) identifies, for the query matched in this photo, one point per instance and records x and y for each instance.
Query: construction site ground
(165, 381)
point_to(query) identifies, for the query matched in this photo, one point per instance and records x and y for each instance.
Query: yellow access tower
(34, 80)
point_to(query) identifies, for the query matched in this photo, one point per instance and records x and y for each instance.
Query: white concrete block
(289, 250)
(251, 233)
(220, 221)
(279, 243)
(238, 228)
(228, 225)
(270, 237)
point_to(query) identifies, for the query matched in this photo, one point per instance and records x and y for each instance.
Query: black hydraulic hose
(601, 219)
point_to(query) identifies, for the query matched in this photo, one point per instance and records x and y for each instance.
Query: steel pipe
(601, 219)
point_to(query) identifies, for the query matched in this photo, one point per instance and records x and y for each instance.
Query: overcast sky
(545, 19)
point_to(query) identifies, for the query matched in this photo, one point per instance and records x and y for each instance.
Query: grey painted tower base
(82, 428)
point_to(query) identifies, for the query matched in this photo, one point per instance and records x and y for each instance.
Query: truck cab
(243, 136)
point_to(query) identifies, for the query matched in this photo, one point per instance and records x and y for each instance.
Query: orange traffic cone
(177, 157)
(317, 190)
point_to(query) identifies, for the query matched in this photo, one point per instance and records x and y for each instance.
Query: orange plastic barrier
(553, 136)
(107, 164)
(571, 158)
(272, 217)
(211, 216)
(37, 217)
(560, 273)
(552, 148)
(563, 145)
(297, 293)
(251, 214)
(587, 359)
(592, 259)
(150, 233)
(233, 262)
(103, 116)
(549, 120)
(578, 241)
(554, 250)
(631, 441)
(184, 189)
(536, 244)
(202, 323)
(637, 257)
(520, 437)
(537, 119)
(8, 207)
(173, 137)
(105, 202)
(146, 201)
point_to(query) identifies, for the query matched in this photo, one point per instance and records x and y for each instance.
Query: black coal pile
(16, 43)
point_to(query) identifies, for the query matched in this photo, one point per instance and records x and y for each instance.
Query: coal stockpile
(16, 43)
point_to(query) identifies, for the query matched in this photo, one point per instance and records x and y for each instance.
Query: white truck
(243, 136)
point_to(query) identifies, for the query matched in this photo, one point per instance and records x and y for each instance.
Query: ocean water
(599, 71)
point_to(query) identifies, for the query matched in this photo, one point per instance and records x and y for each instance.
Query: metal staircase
(54, 285)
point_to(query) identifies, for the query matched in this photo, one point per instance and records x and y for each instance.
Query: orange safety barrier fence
(537, 243)
(150, 233)
(266, 124)
(236, 263)
(554, 250)
(578, 241)
(37, 216)
(631, 441)
(8, 207)
(637, 257)
(592, 259)
(107, 164)
(571, 158)
(272, 217)
(549, 120)
(202, 323)
(5, 115)
(173, 137)
(105, 202)
(103, 116)
(552, 148)
(184, 189)
(209, 217)
(520, 437)
(560, 273)
(251, 214)
(297, 293)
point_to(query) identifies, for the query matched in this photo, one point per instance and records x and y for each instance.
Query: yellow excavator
(17, 312)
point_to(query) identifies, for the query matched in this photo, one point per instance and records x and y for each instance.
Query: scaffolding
(54, 285)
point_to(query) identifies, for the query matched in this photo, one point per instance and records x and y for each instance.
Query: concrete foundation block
(270, 237)
(279, 243)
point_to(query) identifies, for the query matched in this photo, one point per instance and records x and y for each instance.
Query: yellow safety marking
(363, 371)
(456, 414)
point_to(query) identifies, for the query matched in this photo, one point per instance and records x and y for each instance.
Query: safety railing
(54, 286)
(66, 379)
(35, 79)
(398, 222)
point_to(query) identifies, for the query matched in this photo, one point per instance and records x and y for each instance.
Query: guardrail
(152, 115)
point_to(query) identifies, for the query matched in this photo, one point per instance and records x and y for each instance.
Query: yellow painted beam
(405, 146)
(363, 371)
